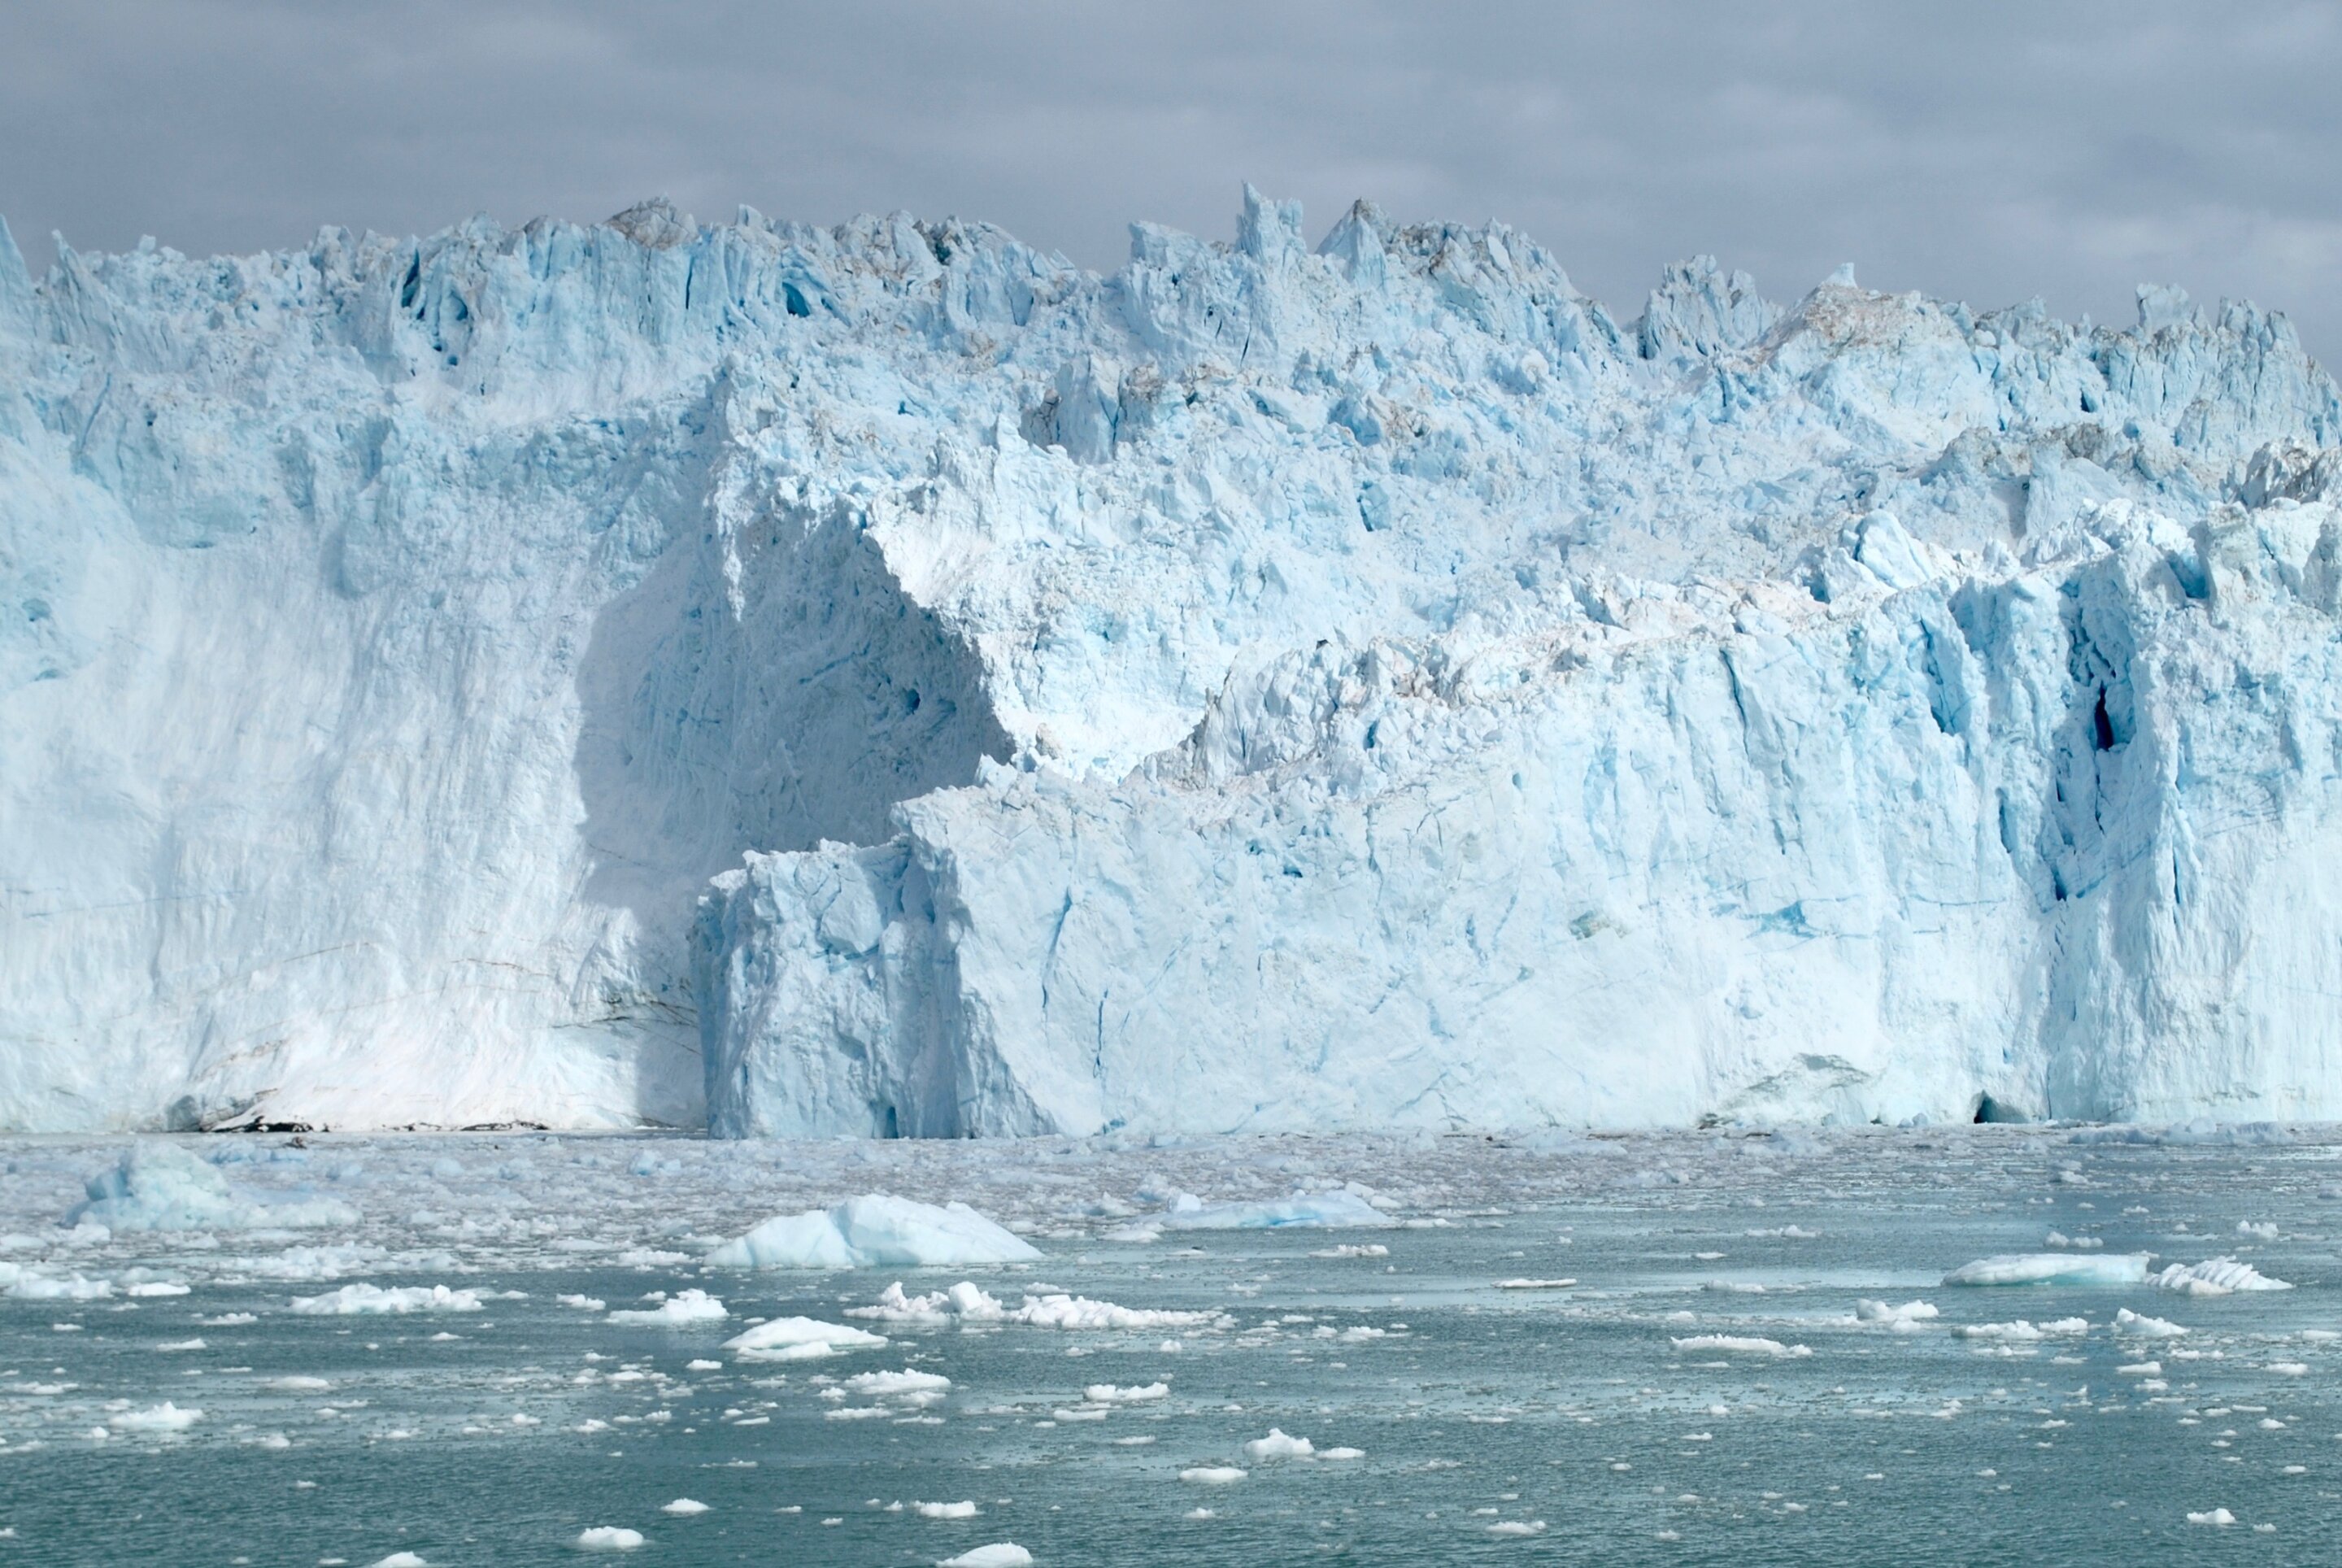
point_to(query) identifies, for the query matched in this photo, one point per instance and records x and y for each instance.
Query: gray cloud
(1985, 151)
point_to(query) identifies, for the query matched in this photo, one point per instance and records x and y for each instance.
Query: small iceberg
(966, 1303)
(1278, 1445)
(999, 1555)
(159, 1186)
(1740, 1344)
(2215, 1277)
(1322, 1210)
(678, 1311)
(364, 1299)
(2052, 1268)
(800, 1340)
(874, 1232)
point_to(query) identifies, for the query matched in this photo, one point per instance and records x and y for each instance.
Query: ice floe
(875, 1231)
(2052, 1268)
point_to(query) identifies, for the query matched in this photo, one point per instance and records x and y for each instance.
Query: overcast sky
(1978, 150)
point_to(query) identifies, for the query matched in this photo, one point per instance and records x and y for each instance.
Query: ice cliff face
(1266, 686)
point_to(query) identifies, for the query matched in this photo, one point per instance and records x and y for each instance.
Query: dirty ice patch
(2052, 1268)
(2215, 1277)
(679, 1310)
(354, 1300)
(964, 1303)
(875, 1231)
(800, 1339)
(159, 1186)
(1322, 1210)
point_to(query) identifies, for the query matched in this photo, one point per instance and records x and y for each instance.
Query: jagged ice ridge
(883, 679)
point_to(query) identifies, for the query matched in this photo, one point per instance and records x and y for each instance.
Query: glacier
(883, 679)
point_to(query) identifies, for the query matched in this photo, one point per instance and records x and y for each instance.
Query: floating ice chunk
(1213, 1474)
(896, 1384)
(159, 1186)
(2139, 1369)
(2184, 1134)
(1341, 1454)
(998, 1554)
(875, 1231)
(684, 1506)
(609, 1538)
(1740, 1344)
(1278, 1445)
(1354, 1249)
(2076, 1243)
(1905, 1319)
(2051, 1269)
(352, 1301)
(2021, 1332)
(2213, 1516)
(2264, 1230)
(31, 1285)
(297, 1384)
(2215, 1277)
(966, 1303)
(1518, 1527)
(679, 1310)
(800, 1339)
(401, 1560)
(1327, 1211)
(964, 1509)
(146, 1288)
(1535, 1284)
(583, 1304)
(2140, 1325)
(163, 1417)
(1137, 1393)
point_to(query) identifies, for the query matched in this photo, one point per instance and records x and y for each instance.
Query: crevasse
(1265, 687)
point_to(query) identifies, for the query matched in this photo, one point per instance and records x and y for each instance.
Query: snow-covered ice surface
(1269, 686)
(1641, 1416)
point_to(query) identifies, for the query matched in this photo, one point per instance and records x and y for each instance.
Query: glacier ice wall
(1265, 687)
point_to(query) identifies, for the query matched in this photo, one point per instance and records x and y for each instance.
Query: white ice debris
(1905, 1319)
(2138, 1325)
(684, 1506)
(998, 1554)
(896, 1385)
(608, 1538)
(1135, 1394)
(964, 1509)
(1323, 1209)
(1278, 1445)
(800, 1339)
(1738, 1344)
(163, 1417)
(1039, 638)
(2052, 1268)
(966, 1303)
(353, 1301)
(1212, 1474)
(159, 1186)
(2214, 1277)
(875, 1231)
(2023, 1331)
(680, 1310)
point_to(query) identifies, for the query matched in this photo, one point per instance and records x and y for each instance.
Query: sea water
(1620, 1350)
